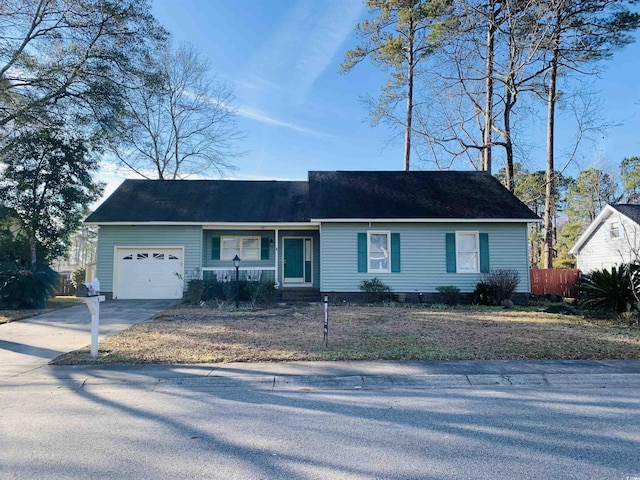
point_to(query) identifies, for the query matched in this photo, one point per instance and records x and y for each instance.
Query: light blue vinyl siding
(422, 255)
(109, 237)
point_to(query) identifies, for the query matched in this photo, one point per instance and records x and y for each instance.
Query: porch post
(277, 250)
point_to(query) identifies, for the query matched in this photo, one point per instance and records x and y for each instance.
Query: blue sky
(282, 58)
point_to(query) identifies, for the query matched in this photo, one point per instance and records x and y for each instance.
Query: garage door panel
(149, 273)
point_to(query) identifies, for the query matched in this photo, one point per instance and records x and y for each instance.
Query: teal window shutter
(362, 252)
(484, 252)
(395, 252)
(451, 252)
(264, 248)
(215, 248)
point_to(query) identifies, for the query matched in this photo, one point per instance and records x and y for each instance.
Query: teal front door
(293, 260)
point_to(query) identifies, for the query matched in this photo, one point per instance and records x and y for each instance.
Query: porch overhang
(261, 226)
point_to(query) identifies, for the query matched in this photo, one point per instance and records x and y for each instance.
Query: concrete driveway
(33, 342)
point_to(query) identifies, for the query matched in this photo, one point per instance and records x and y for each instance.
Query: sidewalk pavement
(313, 376)
(33, 342)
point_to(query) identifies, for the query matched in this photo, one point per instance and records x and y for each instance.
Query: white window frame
(379, 270)
(477, 251)
(611, 224)
(241, 252)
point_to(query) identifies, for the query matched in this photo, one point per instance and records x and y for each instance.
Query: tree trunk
(549, 199)
(32, 247)
(508, 143)
(488, 109)
(407, 134)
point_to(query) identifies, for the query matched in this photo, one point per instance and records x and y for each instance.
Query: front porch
(290, 258)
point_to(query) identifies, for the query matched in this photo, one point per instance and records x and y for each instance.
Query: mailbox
(88, 289)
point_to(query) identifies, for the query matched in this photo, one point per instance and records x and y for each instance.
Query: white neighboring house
(612, 239)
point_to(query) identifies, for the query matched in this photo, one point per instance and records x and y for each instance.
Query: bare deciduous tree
(180, 120)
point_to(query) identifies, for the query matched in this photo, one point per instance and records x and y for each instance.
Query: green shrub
(450, 294)
(483, 294)
(26, 287)
(375, 291)
(262, 292)
(608, 291)
(78, 276)
(195, 292)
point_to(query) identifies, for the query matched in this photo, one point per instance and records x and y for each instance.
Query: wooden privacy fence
(560, 282)
(65, 287)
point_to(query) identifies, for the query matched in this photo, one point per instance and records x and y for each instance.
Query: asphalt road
(188, 430)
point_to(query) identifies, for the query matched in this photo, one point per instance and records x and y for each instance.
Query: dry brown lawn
(205, 335)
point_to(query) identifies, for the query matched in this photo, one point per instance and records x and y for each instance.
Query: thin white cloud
(263, 118)
(256, 83)
(305, 43)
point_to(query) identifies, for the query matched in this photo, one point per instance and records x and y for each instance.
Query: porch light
(236, 261)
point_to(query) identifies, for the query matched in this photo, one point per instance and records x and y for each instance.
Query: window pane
(230, 248)
(468, 262)
(378, 251)
(250, 249)
(307, 250)
(230, 243)
(466, 242)
(249, 243)
(615, 229)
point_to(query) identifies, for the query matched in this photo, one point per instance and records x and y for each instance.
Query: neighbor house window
(378, 252)
(247, 248)
(614, 230)
(467, 252)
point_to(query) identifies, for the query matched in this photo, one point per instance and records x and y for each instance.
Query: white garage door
(148, 273)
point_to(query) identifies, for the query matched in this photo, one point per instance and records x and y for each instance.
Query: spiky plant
(26, 287)
(609, 291)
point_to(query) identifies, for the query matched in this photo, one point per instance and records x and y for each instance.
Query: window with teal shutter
(362, 252)
(395, 252)
(450, 239)
(215, 248)
(264, 248)
(484, 252)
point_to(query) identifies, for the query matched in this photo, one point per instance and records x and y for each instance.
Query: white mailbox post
(94, 308)
(91, 296)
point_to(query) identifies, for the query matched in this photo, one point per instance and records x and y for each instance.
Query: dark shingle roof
(335, 195)
(205, 201)
(415, 194)
(629, 210)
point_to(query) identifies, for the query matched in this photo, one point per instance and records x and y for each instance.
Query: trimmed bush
(258, 293)
(450, 294)
(262, 292)
(496, 286)
(194, 293)
(375, 291)
(26, 287)
(483, 294)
